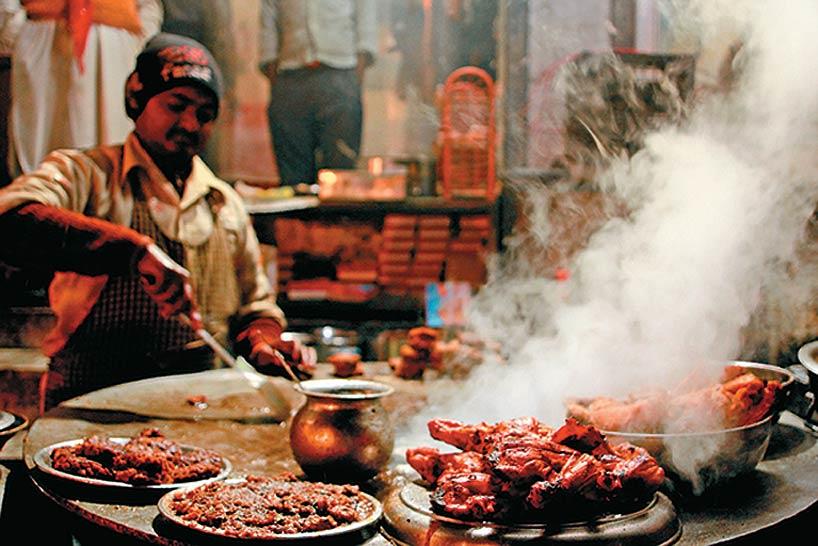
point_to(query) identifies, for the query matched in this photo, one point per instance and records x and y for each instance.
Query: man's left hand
(268, 352)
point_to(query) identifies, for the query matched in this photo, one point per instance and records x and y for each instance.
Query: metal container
(421, 175)
(301, 337)
(803, 403)
(409, 519)
(695, 461)
(330, 340)
(342, 433)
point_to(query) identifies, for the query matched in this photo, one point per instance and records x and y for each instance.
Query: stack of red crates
(466, 257)
(413, 251)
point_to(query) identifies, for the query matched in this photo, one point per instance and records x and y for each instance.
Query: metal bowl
(699, 460)
(301, 337)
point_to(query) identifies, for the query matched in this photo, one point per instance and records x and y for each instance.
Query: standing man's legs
(339, 118)
(290, 114)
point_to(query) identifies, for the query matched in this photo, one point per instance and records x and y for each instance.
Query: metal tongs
(256, 380)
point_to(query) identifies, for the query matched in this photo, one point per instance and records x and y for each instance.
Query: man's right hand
(168, 284)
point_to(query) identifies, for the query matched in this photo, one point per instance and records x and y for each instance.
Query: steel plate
(6, 420)
(42, 459)
(18, 423)
(408, 519)
(166, 510)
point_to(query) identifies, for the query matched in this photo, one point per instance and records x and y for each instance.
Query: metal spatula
(256, 380)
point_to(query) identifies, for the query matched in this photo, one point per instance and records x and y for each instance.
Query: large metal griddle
(783, 487)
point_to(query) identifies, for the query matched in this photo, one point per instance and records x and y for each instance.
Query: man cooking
(133, 230)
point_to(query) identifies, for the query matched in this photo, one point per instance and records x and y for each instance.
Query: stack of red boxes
(413, 251)
(466, 257)
(290, 237)
(397, 247)
(433, 236)
(285, 271)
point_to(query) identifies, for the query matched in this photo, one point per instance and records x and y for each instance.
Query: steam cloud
(717, 208)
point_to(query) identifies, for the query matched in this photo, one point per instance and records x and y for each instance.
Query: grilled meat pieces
(146, 459)
(431, 464)
(739, 399)
(524, 466)
(482, 437)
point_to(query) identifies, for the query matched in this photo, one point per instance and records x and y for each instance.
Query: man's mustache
(193, 138)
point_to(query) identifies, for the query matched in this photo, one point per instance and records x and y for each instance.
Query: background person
(69, 65)
(314, 55)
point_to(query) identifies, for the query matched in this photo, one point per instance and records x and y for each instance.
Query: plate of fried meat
(271, 508)
(522, 472)
(146, 461)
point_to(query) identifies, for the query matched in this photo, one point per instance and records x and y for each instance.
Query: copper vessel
(342, 433)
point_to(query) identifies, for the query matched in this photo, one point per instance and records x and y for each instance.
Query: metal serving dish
(700, 460)
(330, 340)
(807, 372)
(808, 357)
(409, 519)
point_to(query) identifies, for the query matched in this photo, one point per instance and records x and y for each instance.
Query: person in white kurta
(54, 103)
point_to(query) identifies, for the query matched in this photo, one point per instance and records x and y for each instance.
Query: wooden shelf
(312, 207)
(384, 306)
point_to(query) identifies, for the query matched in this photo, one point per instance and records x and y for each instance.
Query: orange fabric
(71, 296)
(45, 9)
(81, 14)
(122, 14)
(79, 24)
(114, 13)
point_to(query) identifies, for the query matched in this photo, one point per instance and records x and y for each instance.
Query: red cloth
(80, 18)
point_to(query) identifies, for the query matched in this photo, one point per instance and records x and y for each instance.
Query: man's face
(176, 124)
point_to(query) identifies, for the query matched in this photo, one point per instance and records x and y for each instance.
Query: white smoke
(717, 208)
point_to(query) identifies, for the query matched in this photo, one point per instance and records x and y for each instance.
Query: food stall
(603, 280)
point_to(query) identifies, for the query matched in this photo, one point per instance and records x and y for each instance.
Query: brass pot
(342, 433)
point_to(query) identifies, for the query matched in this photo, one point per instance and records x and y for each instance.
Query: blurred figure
(11, 19)
(435, 38)
(69, 65)
(133, 229)
(407, 20)
(314, 53)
